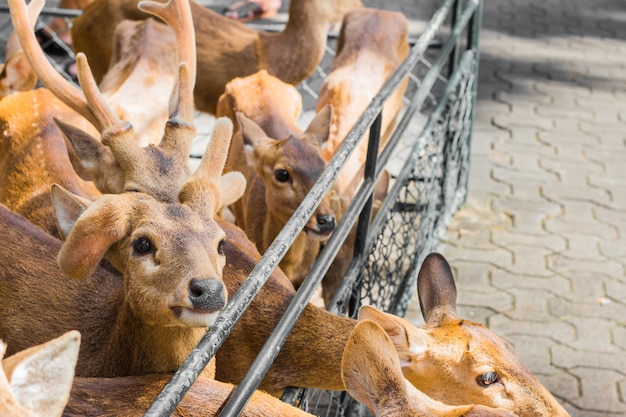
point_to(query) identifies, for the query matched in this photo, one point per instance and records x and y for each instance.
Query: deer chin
(189, 317)
(316, 234)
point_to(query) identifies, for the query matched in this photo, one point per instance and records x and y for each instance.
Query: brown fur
(226, 49)
(29, 138)
(372, 374)
(131, 397)
(267, 138)
(125, 332)
(371, 45)
(449, 354)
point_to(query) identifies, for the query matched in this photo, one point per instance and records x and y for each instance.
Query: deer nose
(207, 294)
(326, 222)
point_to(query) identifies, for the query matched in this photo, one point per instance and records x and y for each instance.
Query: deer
(36, 382)
(372, 374)
(372, 43)
(280, 162)
(226, 48)
(450, 354)
(312, 354)
(149, 319)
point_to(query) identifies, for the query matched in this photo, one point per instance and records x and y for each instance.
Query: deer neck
(147, 348)
(299, 48)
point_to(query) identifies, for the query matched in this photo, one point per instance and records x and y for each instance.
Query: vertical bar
(366, 213)
(473, 43)
(454, 55)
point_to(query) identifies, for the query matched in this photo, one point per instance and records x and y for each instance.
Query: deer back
(118, 397)
(36, 382)
(33, 155)
(371, 45)
(453, 355)
(226, 49)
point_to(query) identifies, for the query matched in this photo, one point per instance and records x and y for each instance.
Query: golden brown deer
(280, 162)
(226, 49)
(170, 254)
(457, 361)
(36, 382)
(371, 45)
(372, 375)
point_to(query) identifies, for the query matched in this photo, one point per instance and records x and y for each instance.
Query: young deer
(372, 374)
(36, 382)
(171, 257)
(371, 45)
(226, 49)
(280, 162)
(457, 361)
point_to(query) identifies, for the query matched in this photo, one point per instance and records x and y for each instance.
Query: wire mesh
(426, 190)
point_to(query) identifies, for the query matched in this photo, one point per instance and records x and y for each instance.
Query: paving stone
(495, 256)
(529, 261)
(505, 280)
(530, 304)
(556, 329)
(534, 353)
(567, 357)
(599, 390)
(564, 227)
(548, 241)
(560, 263)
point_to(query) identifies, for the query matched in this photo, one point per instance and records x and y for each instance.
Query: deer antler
(89, 104)
(207, 189)
(177, 15)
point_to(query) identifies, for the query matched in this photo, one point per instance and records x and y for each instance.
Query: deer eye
(281, 175)
(142, 246)
(487, 379)
(220, 247)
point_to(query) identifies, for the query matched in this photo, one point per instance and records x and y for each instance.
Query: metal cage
(428, 158)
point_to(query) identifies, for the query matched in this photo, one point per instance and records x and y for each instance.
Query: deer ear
(86, 153)
(68, 207)
(88, 236)
(319, 128)
(233, 185)
(370, 368)
(252, 134)
(40, 378)
(436, 290)
(410, 341)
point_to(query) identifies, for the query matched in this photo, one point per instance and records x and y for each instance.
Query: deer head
(114, 161)
(170, 253)
(289, 167)
(36, 382)
(372, 374)
(453, 355)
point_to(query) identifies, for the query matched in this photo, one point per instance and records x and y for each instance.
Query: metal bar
(473, 39)
(377, 224)
(366, 213)
(454, 60)
(165, 403)
(52, 11)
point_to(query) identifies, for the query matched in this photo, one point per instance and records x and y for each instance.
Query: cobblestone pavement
(539, 250)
